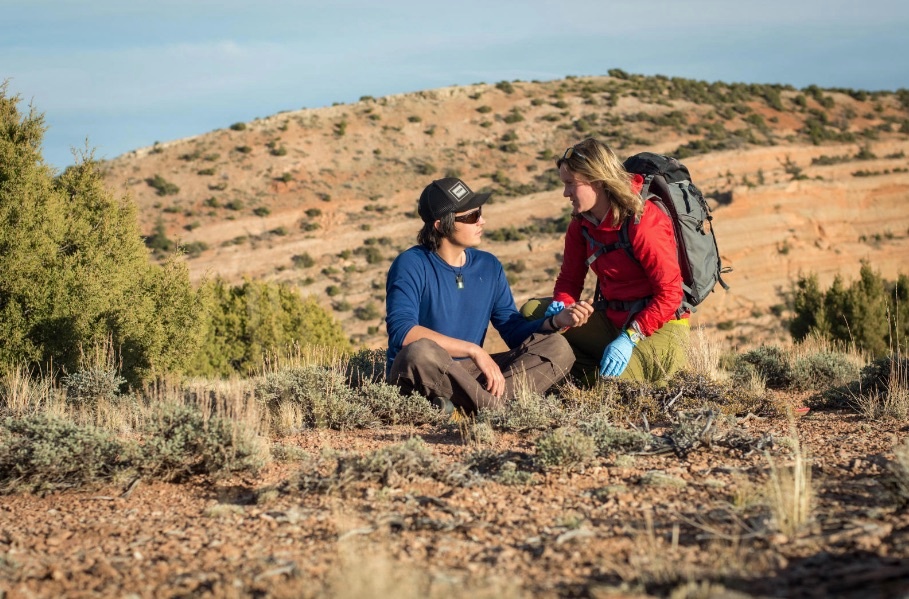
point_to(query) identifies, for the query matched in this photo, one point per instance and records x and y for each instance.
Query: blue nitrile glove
(616, 356)
(554, 308)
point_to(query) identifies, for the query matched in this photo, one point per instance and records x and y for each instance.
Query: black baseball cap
(448, 195)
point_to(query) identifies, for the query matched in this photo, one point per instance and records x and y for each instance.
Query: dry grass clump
(21, 393)
(883, 391)
(369, 570)
(389, 467)
(705, 355)
(789, 491)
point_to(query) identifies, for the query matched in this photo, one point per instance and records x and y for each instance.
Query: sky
(117, 75)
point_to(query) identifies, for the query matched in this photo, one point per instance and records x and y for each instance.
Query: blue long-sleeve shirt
(421, 289)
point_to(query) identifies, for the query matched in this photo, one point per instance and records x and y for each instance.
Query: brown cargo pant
(536, 365)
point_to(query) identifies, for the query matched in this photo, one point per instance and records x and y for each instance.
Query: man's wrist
(555, 327)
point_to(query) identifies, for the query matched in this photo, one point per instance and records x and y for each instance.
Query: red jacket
(656, 272)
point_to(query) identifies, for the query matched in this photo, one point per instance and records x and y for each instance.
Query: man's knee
(416, 359)
(555, 349)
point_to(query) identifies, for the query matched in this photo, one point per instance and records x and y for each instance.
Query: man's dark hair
(430, 237)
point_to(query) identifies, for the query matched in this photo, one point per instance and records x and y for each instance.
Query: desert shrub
(238, 127)
(320, 395)
(194, 249)
(822, 370)
(610, 439)
(871, 313)
(73, 267)
(882, 390)
(386, 403)
(566, 448)
(423, 167)
(389, 466)
(303, 260)
(514, 116)
(505, 86)
(182, 441)
(92, 384)
(509, 468)
(366, 366)
(526, 412)
(162, 186)
(158, 242)
(242, 324)
(262, 211)
(771, 362)
(368, 311)
(44, 452)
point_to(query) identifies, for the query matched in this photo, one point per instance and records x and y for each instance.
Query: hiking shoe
(455, 415)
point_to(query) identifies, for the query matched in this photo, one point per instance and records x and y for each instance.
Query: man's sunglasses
(471, 218)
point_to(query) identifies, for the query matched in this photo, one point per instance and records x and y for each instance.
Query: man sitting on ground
(441, 296)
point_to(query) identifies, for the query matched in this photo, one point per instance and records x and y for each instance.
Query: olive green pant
(655, 358)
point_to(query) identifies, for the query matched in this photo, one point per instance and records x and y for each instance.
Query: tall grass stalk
(21, 393)
(704, 353)
(789, 491)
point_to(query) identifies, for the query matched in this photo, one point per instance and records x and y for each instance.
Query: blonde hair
(596, 162)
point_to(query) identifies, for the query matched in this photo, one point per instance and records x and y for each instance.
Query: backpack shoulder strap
(625, 236)
(602, 248)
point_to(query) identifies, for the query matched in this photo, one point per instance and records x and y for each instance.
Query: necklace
(459, 279)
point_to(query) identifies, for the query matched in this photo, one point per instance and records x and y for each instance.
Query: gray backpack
(667, 183)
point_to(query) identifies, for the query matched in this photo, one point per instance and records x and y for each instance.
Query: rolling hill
(811, 180)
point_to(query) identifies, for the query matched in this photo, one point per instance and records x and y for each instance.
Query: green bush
(871, 313)
(162, 186)
(303, 260)
(243, 324)
(73, 267)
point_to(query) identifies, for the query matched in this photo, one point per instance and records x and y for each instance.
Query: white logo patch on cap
(459, 190)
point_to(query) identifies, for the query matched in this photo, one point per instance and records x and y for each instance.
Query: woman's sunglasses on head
(571, 151)
(471, 218)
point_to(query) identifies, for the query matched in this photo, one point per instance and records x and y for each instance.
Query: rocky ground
(623, 526)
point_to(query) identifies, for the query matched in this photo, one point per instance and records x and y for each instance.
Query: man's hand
(574, 315)
(495, 380)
